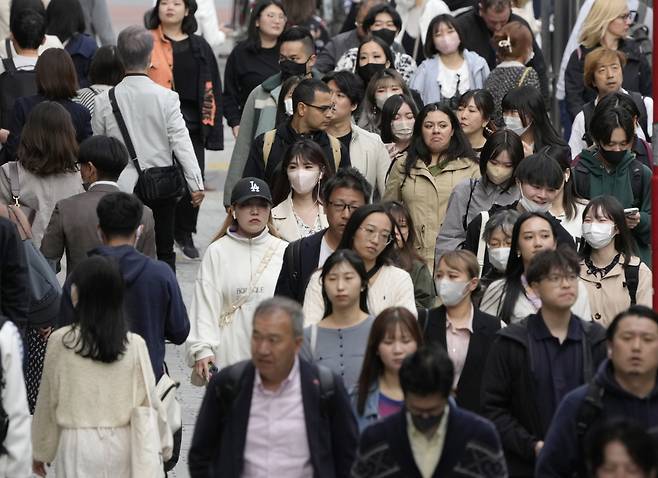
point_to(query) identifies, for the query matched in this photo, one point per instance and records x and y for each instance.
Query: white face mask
(402, 129)
(288, 103)
(598, 234)
(302, 181)
(531, 206)
(451, 293)
(498, 258)
(514, 123)
(381, 98)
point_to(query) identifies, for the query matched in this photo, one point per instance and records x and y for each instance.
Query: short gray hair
(289, 306)
(134, 47)
(504, 219)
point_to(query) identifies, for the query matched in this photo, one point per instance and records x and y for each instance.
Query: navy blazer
(302, 254)
(485, 327)
(219, 437)
(471, 445)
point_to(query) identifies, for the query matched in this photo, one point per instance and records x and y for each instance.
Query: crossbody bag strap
(124, 130)
(227, 317)
(314, 339)
(15, 182)
(523, 76)
(482, 245)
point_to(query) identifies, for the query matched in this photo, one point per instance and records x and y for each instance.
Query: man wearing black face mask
(612, 169)
(431, 435)
(382, 22)
(296, 57)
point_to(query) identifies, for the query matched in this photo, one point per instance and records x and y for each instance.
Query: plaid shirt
(404, 64)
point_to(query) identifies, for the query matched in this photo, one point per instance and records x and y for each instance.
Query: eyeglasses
(340, 207)
(629, 16)
(372, 233)
(272, 16)
(557, 279)
(323, 108)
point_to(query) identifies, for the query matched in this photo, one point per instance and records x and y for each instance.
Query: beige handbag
(151, 438)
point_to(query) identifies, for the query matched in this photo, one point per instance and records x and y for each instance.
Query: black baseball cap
(249, 188)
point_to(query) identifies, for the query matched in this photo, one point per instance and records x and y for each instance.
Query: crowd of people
(420, 273)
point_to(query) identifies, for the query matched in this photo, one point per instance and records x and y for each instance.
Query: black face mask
(366, 72)
(290, 68)
(613, 157)
(385, 34)
(424, 424)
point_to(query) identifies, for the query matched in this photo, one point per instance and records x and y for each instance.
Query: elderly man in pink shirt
(276, 415)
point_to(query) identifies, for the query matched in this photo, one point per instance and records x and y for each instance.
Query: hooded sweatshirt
(153, 303)
(561, 455)
(618, 183)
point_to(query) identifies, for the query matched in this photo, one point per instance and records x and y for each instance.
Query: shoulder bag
(153, 184)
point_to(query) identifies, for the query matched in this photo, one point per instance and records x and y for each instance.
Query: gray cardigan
(485, 194)
(425, 79)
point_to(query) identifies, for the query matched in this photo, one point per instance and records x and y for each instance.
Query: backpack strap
(423, 319)
(632, 277)
(8, 62)
(327, 389)
(581, 180)
(590, 410)
(314, 339)
(482, 245)
(268, 141)
(474, 183)
(637, 182)
(335, 150)
(15, 182)
(588, 111)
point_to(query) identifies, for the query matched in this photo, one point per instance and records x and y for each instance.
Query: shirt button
(597, 316)
(598, 285)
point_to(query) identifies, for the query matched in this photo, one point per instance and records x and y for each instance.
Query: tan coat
(609, 296)
(427, 197)
(284, 220)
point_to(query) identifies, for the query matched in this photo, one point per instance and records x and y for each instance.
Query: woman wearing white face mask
(296, 193)
(500, 156)
(450, 70)
(457, 325)
(614, 275)
(284, 106)
(398, 119)
(524, 112)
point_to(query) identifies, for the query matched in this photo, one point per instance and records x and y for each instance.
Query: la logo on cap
(254, 187)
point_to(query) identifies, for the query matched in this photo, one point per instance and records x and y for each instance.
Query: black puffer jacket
(637, 76)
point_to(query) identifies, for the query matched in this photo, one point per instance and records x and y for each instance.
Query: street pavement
(211, 216)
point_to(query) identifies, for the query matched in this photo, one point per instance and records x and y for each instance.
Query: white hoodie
(227, 270)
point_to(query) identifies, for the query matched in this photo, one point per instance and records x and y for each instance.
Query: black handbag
(153, 184)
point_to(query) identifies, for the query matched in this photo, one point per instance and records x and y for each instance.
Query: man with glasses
(431, 435)
(534, 363)
(313, 108)
(342, 195)
(296, 58)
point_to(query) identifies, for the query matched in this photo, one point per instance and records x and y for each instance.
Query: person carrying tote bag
(88, 421)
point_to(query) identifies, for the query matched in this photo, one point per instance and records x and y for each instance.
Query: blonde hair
(229, 221)
(596, 24)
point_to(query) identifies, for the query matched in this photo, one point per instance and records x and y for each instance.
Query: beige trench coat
(427, 196)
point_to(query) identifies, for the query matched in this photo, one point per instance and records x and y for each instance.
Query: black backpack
(14, 84)
(640, 32)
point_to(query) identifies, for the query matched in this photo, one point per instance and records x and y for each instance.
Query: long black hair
(499, 142)
(253, 36)
(99, 331)
(189, 26)
(529, 103)
(389, 110)
(513, 287)
(610, 207)
(459, 146)
(360, 215)
(404, 257)
(570, 197)
(352, 258)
